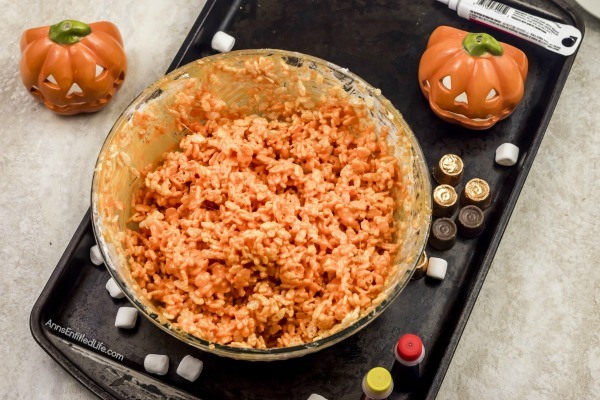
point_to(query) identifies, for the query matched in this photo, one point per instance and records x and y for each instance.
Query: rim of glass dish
(244, 353)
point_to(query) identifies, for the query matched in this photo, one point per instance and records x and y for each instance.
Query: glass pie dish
(148, 128)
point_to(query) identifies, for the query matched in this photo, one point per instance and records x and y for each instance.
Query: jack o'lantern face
(471, 79)
(73, 67)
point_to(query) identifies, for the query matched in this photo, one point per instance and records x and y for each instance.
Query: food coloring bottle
(409, 352)
(377, 384)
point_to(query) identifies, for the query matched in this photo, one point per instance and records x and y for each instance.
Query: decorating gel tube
(559, 38)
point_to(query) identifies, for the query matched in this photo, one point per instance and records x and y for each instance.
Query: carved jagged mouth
(462, 116)
(82, 106)
(474, 123)
(462, 100)
(76, 93)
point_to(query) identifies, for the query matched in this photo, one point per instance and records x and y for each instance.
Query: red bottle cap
(409, 347)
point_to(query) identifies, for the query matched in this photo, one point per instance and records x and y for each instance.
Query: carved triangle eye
(99, 70)
(50, 82)
(447, 82)
(492, 94)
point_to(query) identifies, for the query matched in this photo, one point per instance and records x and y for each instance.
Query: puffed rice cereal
(267, 232)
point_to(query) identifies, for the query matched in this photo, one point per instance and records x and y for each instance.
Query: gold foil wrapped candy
(445, 201)
(449, 170)
(477, 193)
(421, 268)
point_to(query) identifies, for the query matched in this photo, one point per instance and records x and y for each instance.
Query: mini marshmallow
(436, 268)
(189, 368)
(95, 255)
(315, 396)
(114, 290)
(507, 154)
(156, 364)
(222, 42)
(126, 317)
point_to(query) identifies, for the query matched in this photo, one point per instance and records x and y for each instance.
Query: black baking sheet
(381, 41)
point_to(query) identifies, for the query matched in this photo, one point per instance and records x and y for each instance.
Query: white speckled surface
(534, 332)
(46, 164)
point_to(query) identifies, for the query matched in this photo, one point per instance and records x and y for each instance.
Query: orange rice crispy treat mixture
(267, 232)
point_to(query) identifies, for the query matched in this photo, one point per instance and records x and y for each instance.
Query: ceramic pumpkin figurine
(73, 67)
(471, 79)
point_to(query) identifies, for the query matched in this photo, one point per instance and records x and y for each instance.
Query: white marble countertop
(535, 329)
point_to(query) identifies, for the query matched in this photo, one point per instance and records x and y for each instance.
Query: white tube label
(559, 38)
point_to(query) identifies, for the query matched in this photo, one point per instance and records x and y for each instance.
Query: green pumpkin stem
(69, 31)
(478, 44)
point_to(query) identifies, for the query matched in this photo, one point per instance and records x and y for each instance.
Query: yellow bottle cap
(378, 383)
